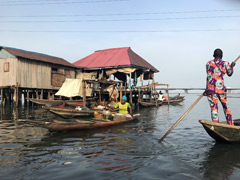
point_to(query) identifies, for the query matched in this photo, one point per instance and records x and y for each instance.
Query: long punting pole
(181, 118)
(236, 59)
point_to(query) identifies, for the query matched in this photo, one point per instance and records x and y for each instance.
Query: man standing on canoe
(216, 89)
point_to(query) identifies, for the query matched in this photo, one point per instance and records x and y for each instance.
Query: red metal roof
(37, 56)
(115, 57)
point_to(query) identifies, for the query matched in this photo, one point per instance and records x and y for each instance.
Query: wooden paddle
(236, 59)
(181, 118)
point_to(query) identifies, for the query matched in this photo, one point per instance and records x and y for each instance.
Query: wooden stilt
(168, 93)
(120, 91)
(27, 95)
(125, 88)
(100, 96)
(1, 96)
(41, 93)
(130, 79)
(139, 94)
(15, 95)
(84, 93)
(151, 94)
(37, 94)
(49, 95)
(131, 97)
(155, 93)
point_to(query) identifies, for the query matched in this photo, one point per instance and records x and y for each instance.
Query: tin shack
(30, 74)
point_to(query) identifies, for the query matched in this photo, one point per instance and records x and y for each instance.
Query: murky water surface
(129, 151)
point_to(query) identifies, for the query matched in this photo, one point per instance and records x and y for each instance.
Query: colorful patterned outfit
(216, 89)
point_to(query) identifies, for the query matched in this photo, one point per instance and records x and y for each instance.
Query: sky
(177, 37)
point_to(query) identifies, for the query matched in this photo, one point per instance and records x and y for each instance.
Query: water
(128, 151)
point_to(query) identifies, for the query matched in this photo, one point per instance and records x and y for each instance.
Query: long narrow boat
(150, 103)
(58, 102)
(223, 131)
(174, 100)
(69, 112)
(79, 124)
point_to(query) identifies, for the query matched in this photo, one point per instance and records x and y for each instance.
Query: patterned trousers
(213, 101)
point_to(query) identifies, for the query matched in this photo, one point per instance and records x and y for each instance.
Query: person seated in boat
(124, 106)
(160, 96)
(215, 89)
(175, 97)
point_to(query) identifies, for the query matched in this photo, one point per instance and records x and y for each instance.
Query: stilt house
(24, 72)
(122, 63)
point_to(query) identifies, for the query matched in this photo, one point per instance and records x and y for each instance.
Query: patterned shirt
(216, 69)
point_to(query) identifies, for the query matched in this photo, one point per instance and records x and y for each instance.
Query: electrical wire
(118, 20)
(123, 31)
(126, 14)
(55, 3)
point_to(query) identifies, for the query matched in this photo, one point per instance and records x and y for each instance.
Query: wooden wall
(32, 74)
(8, 78)
(40, 75)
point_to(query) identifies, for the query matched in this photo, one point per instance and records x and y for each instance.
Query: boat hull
(68, 113)
(149, 104)
(79, 124)
(58, 102)
(222, 131)
(173, 101)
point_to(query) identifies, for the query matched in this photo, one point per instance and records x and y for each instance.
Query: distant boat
(150, 103)
(223, 131)
(173, 100)
(57, 125)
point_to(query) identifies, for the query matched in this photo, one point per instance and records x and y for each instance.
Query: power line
(54, 3)
(32, 1)
(130, 14)
(118, 20)
(123, 31)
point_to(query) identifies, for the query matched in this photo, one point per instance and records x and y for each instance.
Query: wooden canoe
(58, 102)
(173, 101)
(69, 112)
(149, 103)
(79, 124)
(223, 131)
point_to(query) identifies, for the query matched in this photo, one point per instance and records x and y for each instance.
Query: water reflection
(127, 151)
(221, 161)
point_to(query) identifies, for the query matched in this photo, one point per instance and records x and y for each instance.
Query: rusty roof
(114, 57)
(37, 56)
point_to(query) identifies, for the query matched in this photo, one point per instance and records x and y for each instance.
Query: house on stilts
(121, 63)
(30, 74)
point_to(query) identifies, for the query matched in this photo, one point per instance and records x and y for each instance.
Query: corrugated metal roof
(37, 56)
(114, 57)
